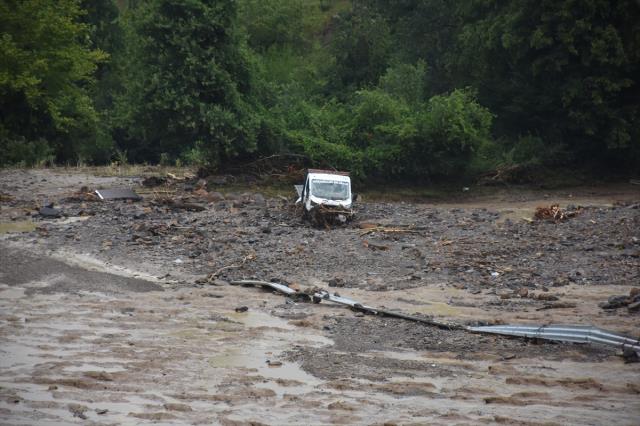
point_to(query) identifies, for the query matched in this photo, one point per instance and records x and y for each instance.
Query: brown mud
(107, 315)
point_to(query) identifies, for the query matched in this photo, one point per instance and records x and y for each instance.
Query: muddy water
(185, 356)
(172, 357)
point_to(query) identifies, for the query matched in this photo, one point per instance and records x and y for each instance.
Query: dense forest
(383, 88)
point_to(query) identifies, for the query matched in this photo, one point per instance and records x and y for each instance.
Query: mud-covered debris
(557, 305)
(152, 181)
(78, 410)
(214, 275)
(390, 230)
(210, 197)
(336, 282)
(632, 301)
(374, 247)
(185, 176)
(102, 376)
(555, 213)
(174, 406)
(544, 296)
(117, 194)
(178, 204)
(84, 194)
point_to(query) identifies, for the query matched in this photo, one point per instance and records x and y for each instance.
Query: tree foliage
(566, 70)
(46, 69)
(189, 84)
(384, 88)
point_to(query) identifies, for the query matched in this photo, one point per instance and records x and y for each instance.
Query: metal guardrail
(563, 333)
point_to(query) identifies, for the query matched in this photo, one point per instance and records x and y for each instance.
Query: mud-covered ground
(121, 312)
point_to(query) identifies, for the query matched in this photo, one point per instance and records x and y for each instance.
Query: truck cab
(327, 194)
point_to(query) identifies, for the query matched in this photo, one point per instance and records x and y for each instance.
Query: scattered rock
(50, 212)
(630, 356)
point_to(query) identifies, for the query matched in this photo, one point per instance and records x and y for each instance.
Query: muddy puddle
(18, 226)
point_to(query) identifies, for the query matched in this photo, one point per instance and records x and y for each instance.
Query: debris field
(122, 312)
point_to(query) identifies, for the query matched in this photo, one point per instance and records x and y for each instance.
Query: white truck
(326, 197)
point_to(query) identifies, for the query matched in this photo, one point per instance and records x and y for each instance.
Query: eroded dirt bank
(110, 315)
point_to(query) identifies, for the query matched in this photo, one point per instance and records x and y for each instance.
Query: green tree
(361, 45)
(106, 34)
(46, 71)
(189, 82)
(275, 23)
(568, 71)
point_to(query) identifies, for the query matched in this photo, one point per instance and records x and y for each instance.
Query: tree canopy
(46, 68)
(386, 89)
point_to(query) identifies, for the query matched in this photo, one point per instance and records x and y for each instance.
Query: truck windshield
(330, 190)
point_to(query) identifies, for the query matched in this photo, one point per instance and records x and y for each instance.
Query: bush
(193, 157)
(330, 155)
(406, 81)
(451, 129)
(97, 150)
(381, 135)
(530, 151)
(24, 153)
